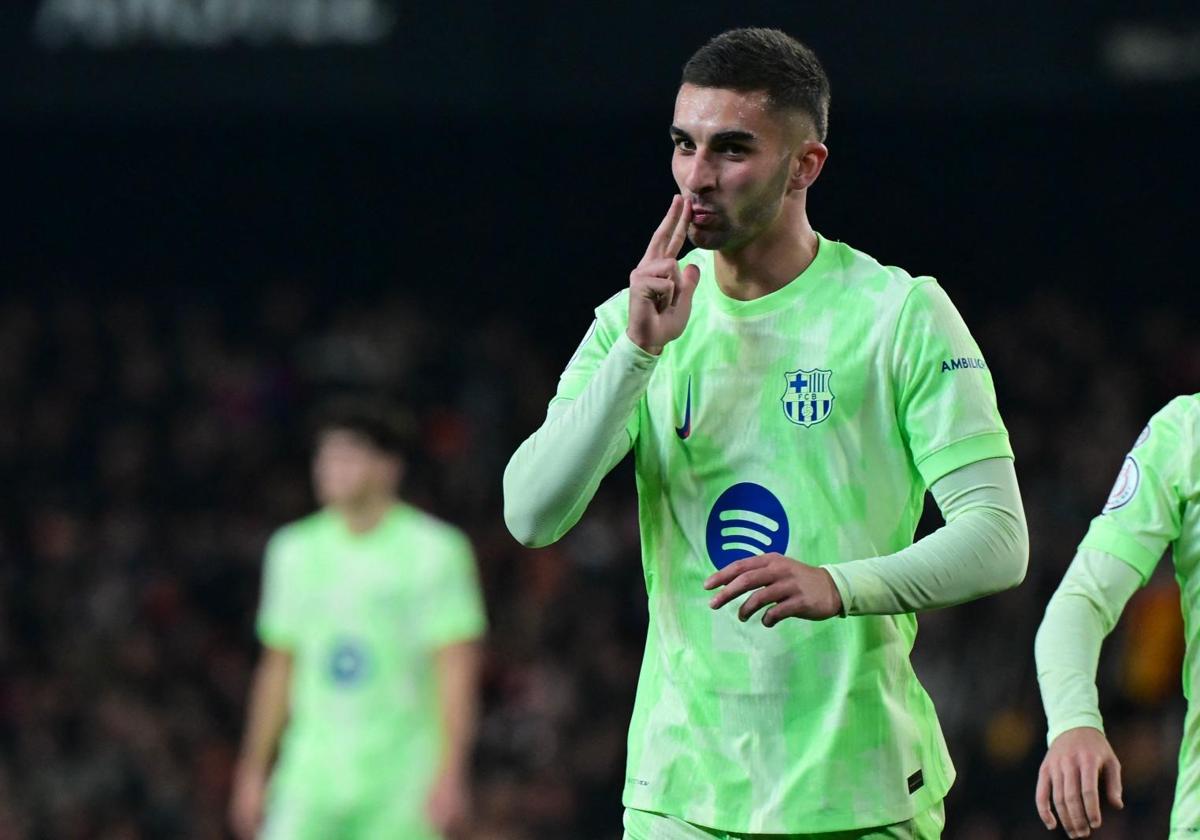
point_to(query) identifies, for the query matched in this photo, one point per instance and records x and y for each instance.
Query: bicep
(990, 482)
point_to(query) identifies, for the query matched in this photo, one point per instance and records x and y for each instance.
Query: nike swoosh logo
(686, 429)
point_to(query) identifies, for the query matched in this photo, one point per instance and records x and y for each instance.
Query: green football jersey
(808, 422)
(1153, 505)
(362, 615)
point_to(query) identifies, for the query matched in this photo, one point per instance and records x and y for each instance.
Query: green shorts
(291, 816)
(645, 825)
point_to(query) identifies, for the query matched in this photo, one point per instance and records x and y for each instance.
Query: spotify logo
(746, 520)
(347, 662)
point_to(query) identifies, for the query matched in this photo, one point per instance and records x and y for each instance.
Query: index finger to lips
(679, 233)
(662, 236)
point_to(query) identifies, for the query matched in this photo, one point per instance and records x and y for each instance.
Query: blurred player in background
(369, 620)
(1153, 505)
(788, 400)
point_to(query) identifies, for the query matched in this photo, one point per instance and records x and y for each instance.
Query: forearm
(555, 472)
(1083, 610)
(982, 548)
(458, 702)
(268, 710)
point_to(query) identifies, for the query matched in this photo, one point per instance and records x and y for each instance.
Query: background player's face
(348, 469)
(732, 158)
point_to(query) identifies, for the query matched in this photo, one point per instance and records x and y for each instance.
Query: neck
(771, 260)
(363, 515)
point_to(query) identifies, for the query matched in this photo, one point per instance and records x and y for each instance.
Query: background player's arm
(457, 670)
(1120, 551)
(1083, 610)
(267, 715)
(553, 475)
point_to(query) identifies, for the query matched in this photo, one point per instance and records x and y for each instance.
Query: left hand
(449, 802)
(796, 589)
(1070, 777)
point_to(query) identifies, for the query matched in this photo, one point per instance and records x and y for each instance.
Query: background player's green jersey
(362, 615)
(809, 422)
(1155, 503)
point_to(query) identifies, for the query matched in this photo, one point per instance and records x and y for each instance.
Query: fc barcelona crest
(807, 399)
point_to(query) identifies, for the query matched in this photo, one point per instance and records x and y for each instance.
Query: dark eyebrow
(730, 136)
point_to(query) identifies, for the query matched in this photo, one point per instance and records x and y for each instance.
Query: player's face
(733, 160)
(347, 469)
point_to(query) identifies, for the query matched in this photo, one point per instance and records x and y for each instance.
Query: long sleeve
(554, 474)
(982, 548)
(1144, 514)
(1083, 610)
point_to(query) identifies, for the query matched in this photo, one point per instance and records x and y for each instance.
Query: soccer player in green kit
(788, 401)
(1153, 505)
(369, 620)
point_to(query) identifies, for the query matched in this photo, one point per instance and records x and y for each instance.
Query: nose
(699, 176)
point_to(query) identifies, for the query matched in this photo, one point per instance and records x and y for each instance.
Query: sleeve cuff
(843, 588)
(1106, 535)
(639, 358)
(1091, 719)
(962, 452)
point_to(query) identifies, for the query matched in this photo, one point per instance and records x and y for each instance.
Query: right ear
(807, 163)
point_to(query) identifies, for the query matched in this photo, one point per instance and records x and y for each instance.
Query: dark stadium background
(220, 212)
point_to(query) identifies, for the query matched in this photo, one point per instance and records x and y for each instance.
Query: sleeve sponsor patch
(963, 363)
(1126, 485)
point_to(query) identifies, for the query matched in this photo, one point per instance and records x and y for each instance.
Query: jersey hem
(924, 799)
(969, 450)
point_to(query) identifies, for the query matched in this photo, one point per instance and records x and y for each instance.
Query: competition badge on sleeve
(807, 399)
(1126, 485)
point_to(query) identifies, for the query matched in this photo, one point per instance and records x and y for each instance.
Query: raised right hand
(1070, 777)
(660, 295)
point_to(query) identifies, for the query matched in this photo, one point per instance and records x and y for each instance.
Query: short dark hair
(385, 426)
(754, 59)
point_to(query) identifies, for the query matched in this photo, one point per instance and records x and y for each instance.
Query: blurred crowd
(149, 445)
